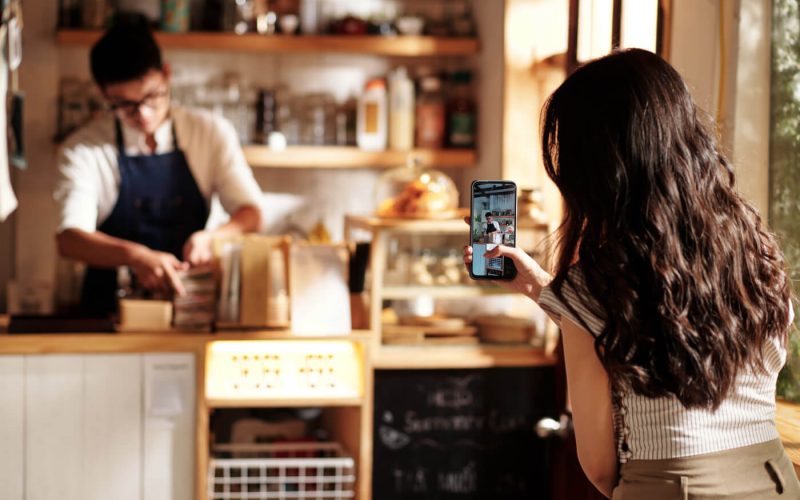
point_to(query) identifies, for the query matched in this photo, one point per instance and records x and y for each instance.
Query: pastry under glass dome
(414, 191)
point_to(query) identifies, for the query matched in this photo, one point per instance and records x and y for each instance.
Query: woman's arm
(587, 380)
(592, 413)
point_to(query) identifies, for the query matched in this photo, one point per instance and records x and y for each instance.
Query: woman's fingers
(467, 254)
(519, 257)
(501, 251)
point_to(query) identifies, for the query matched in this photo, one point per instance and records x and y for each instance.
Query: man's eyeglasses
(132, 107)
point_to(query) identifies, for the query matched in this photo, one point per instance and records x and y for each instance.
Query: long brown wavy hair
(687, 278)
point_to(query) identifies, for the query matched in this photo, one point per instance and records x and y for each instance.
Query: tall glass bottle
(461, 116)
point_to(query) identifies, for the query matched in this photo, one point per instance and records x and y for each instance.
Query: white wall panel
(12, 411)
(54, 427)
(112, 427)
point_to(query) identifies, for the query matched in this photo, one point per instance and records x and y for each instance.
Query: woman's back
(667, 451)
(672, 296)
(662, 428)
(681, 287)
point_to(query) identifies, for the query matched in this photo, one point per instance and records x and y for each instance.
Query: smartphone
(493, 221)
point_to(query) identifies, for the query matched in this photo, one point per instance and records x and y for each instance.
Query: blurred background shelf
(352, 157)
(399, 46)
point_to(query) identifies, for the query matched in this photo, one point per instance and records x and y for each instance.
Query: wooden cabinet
(331, 373)
(381, 231)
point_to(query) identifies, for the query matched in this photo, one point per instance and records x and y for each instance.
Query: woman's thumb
(500, 251)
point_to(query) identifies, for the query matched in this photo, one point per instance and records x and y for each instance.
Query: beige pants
(757, 472)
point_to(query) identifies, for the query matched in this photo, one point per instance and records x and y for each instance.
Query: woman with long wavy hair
(672, 297)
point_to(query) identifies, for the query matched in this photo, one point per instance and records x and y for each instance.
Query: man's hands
(198, 250)
(158, 271)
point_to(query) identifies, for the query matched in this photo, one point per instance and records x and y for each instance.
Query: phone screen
(493, 221)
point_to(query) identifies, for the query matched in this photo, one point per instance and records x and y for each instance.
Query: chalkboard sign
(461, 434)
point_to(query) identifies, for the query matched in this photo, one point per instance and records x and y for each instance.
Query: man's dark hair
(126, 52)
(488, 214)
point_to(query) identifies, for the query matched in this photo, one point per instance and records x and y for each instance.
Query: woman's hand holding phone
(530, 277)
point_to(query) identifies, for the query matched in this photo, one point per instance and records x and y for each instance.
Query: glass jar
(414, 191)
(430, 114)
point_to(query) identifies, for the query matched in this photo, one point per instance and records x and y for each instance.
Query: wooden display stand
(469, 354)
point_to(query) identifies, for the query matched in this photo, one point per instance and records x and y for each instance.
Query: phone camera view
(494, 206)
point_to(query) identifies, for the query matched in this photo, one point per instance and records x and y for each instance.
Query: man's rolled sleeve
(76, 191)
(234, 180)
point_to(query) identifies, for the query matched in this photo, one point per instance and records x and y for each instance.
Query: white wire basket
(308, 471)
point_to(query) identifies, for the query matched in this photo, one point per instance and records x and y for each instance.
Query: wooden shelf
(454, 225)
(351, 157)
(454, 357)
(401, 46)
(451, 225)
(441, 292)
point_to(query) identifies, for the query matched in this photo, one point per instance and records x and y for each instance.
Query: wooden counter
(89, 343)
(356, 412)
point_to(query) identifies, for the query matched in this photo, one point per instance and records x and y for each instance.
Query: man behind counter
(135, 185)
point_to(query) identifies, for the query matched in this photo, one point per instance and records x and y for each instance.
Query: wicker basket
(281, 471)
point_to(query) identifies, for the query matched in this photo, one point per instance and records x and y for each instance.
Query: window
(599, 26)
(784, 168)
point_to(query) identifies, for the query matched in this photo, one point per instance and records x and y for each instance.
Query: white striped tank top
(661, 428)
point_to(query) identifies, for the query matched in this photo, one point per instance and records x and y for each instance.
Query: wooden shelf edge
(400, 46)
(421, 226)
(444, 292)
(256, 335)
(90, 343)
(340, 157)
(68, 343)
(283, 403)
(455, 357)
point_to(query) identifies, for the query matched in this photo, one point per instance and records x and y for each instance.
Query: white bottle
(372, 117)
(309, 17)
(401, 111)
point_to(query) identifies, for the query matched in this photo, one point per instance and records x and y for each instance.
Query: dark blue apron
(159, 206)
